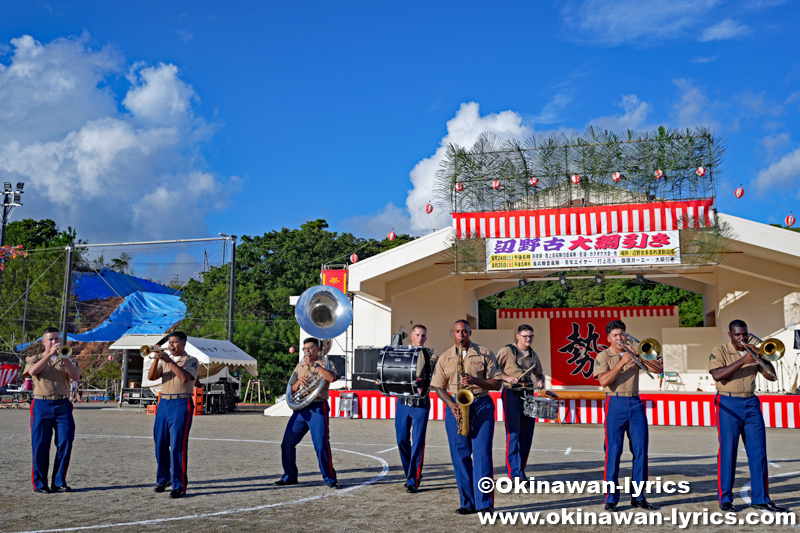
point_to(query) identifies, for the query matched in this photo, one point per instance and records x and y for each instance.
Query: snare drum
(536, 407)
(404, 371)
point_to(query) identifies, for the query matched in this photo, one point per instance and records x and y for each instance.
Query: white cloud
(378, 225)
(633, 21)
(783, 173)
(704, 59)
(551, 111)
(772, 143)
(727, 29)
(633, 118)
(693, 108)
(87, 164)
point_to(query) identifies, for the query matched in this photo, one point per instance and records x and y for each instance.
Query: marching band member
(738, 411)
(411, 422)
(515, 360)
(471, 454)
(618, 374)
(174, 413)
(51, 410)
(314, 417)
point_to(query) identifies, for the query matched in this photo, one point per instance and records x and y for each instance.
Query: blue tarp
(144, 313)
(109, 284)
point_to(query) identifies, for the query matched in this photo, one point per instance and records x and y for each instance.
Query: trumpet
(151, 352)
(649, 350)
(64, 352)
(464, 399)
(769, 350)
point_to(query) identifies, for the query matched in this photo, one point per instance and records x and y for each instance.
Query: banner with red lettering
(335, 278)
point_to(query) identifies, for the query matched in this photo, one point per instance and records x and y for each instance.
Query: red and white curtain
(656, 216)
(8, 373)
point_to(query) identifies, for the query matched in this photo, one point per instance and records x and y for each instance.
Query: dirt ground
(235, 458)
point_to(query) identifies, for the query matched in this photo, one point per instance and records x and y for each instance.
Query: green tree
(269, 269)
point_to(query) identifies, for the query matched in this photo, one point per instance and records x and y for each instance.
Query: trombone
(649, 350)
(769, 350)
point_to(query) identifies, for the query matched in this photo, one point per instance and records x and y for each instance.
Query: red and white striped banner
(656, 216)
(8, 373)
(589, 312)
(661, 409)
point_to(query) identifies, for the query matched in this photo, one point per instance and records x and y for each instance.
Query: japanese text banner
(574, 343)
(579, 251)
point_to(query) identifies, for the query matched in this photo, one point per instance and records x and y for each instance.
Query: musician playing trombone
(734, 367)
(617, 370)
(314, 417)
(519, 361)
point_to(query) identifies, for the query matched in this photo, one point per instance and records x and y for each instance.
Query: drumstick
(370, 380)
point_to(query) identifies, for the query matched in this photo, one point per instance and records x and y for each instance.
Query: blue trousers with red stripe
(410, 425)
(519, 433)
(741, 417)
(48, 417)
(171, 433)
(625, 416)
(472, 455)
(315, 418)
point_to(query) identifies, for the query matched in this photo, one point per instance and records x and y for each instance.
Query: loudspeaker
(338, 364)
(797, 339)
(365, 365)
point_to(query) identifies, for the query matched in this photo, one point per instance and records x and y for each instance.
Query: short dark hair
(51, 329)
(524, 327)
(463, 322)
(181, 336)
(314, 340)
(737, 324)
(615, 324)
(419, 326)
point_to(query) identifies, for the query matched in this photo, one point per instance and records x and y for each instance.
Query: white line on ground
(745, 492)
(390, 449)
(384, 471)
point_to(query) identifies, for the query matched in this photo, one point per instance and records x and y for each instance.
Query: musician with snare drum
(411, 414)
(617, 369)
(521, 370)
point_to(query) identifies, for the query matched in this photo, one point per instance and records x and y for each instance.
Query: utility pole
(67, 288)
(231, 283)
(25, 312)
(11, 198)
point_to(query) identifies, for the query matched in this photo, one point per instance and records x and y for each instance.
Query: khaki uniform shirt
(479, 362)
(303, 371)
(628, 378)
(170, 383)
(743, 380)
(53, 380)
(514, 363)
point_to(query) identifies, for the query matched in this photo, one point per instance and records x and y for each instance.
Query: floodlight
(598, 279)
(522, 282)
(639, 279)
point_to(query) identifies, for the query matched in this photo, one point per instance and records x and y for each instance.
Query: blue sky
(148, 120)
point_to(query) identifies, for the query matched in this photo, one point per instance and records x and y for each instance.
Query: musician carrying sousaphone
(734, 366)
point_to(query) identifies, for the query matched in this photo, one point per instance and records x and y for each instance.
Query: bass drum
(404, 371)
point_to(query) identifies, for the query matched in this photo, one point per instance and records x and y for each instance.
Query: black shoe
(489, 510)
(176, 493)
(62, 488)
(411, 489)
(333, 485)
(644, 504)
(611, 507)
(161, 487)
(43, 490)
(466, 510)
(728, 506)
(770, 506)
(283, 483)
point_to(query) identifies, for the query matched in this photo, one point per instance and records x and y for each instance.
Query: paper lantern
(110, 357)
(658, 174)
(459, 187)
(739, 192)
(291, 349)
(496, 184)
(534, 181)
(429, 209)
(354, 258)
(391, 236)
(700, 171)
(616, 176)
(789, 221)
(575, 179)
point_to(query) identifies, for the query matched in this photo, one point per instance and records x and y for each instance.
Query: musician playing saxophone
(314, 417)
(471, 454)
(738, 411)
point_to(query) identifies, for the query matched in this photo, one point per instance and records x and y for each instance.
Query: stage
(663, 409)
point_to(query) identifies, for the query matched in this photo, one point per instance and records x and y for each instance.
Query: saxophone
(464, 398)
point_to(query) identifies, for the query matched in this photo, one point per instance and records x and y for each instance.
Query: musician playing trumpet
(312, 417)
(618, 373)
(471, 453)
(734, 367)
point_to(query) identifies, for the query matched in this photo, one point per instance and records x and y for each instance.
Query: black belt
(624, 394)
(414, 402)
(738, 394)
